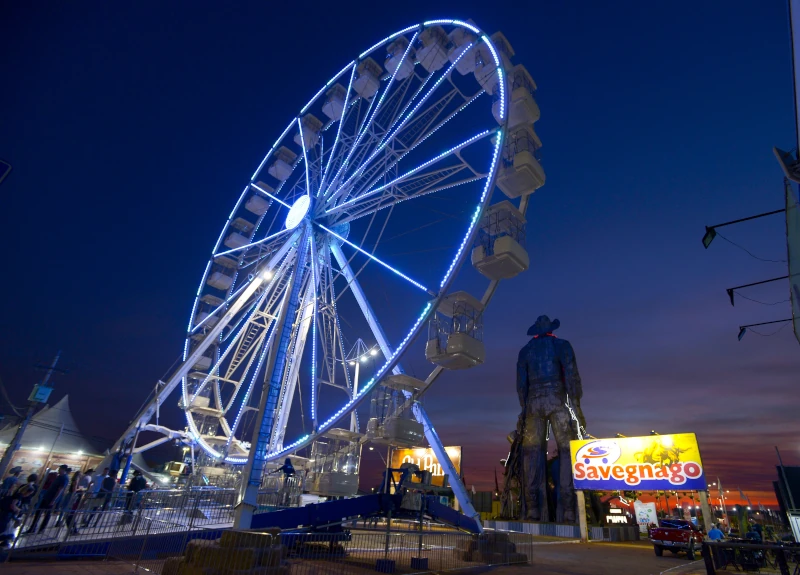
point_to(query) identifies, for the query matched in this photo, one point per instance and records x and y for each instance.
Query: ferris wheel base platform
(334, 513)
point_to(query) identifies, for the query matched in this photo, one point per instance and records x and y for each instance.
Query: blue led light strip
(305, 157)
(369, 255)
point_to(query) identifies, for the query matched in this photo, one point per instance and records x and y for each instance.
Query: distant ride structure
(354, 225)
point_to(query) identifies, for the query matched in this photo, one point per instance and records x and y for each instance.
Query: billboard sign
(656, 462)
(426, 460)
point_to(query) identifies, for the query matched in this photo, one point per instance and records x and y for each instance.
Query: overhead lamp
(653, 432)
(267, 275)
(373, 351)
(371, 448)
(363, 358)
(351, 362)
(709, 236)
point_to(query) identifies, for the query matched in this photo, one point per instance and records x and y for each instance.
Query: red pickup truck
(676, 535)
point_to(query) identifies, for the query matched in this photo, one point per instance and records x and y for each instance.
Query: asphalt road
(602, 559)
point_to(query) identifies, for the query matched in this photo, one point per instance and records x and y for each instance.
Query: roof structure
(43, 432)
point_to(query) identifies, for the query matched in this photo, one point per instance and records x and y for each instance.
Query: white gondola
(236, 240)
(203, 363)
(311, 127)
(395, 64)
(368, 77)
(499, 253)
(523, 108)
(520, 172)
(334, 464)
(334, 102)
(486, 69)
(455, 333)
(281, 167)
(201, 317)
(220, 280)
(404, 383)
(462, 40)
(257, 205)
(432, 55)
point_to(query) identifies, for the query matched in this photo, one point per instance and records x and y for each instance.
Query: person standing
(11, 481)
(94, 494)
(50, 499)
(136, 484)
(81, 487)
(68, 499)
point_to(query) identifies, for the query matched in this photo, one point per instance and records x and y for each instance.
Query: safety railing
(751, 557)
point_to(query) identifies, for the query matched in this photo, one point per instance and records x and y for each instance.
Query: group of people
(755, 533)
(85, 494)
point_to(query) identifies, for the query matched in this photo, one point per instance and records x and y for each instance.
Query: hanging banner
(656, 462)
(646, 515)
(793, 254)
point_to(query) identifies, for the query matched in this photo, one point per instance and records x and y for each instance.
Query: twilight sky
(132, 130)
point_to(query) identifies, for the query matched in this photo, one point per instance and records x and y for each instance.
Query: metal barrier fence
(546, 529)
(342, 553)
(751, 557)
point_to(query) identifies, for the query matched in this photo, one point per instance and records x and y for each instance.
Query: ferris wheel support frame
(145, 415)
(459, 489)
(274, 370)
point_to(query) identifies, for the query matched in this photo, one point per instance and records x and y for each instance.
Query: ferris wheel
(354, 225)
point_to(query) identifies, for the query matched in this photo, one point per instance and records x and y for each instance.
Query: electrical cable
(17, 411)
(769, 334)
(748, 252)
(761, 302)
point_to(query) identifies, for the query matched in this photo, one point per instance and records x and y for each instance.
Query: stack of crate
(235, 553)
(492, 548)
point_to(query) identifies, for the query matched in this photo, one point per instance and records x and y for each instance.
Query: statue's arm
(572, 378)
(522, 378)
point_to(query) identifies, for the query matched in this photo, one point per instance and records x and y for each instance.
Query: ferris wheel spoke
(380, 171)
(251, 245)
(341, 122)
(392, 134)
(452, 152)
(269, 195)
(381, 262)
(415, 189)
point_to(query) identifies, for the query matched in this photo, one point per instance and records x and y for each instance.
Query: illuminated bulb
(267, 275)
(373, 352)
(363, 358)
(352, 363)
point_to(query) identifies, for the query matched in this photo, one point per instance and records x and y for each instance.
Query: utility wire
(740, 294)
(748, 252)
(18, 412)
(769, 334)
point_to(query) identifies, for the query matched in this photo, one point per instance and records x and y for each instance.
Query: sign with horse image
(656, 462)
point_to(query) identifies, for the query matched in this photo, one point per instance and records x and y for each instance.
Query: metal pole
(353, 424)
(785, 481)
(16, 443)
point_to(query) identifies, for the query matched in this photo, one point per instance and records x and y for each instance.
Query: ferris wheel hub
(298, 211)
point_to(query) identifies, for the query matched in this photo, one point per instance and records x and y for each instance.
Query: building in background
(51, 439)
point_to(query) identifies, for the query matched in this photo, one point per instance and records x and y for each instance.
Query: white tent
(43, 430)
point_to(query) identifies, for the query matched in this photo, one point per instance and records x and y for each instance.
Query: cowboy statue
(549, 389)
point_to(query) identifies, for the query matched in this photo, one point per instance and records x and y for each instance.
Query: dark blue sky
(132, 129)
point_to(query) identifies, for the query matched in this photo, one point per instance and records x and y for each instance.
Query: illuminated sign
(657, 462)
(426, 460)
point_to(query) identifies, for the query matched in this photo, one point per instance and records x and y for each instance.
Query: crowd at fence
(81, 516)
